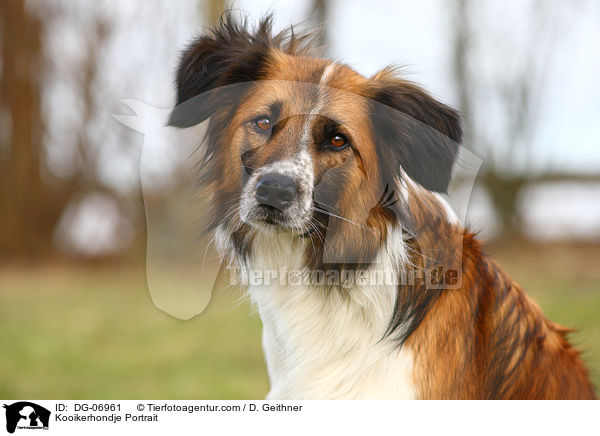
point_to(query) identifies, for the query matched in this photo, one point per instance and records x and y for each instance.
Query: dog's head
(307, 146)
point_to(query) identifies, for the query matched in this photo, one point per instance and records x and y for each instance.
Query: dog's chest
(329, 346)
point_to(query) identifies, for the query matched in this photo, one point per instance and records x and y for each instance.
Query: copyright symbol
(140, 407)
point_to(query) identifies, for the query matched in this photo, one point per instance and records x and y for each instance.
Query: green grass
(94, 333)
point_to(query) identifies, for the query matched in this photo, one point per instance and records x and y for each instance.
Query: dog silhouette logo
(26, 415)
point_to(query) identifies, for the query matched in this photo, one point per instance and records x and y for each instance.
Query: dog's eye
(338, 141)
(263, 124)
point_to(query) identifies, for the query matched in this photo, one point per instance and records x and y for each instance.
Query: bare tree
(33, 199)
(25, 213)
(517, 97)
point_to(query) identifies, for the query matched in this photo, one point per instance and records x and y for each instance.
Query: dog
(311, 168)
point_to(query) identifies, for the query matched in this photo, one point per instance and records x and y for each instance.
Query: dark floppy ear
(230, 54)
(415, 131)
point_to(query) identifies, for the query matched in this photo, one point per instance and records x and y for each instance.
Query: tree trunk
(214, 11)
(504, 194)
(22, 221)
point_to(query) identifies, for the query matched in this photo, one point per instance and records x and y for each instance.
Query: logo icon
(26, 415)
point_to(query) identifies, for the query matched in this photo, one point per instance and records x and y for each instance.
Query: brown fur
(486, 339)
(474, 335)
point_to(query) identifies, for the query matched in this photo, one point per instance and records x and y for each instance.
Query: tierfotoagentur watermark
(439, 278)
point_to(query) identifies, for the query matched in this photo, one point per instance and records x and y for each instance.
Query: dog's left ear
(414, 131)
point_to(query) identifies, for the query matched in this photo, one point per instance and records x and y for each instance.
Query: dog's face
(303, 145)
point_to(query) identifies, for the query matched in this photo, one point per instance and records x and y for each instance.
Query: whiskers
(326, 212)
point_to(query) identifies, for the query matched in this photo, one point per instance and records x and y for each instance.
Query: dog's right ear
(229, 55)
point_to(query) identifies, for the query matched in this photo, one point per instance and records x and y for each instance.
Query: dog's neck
(324, 342)
(328, 343)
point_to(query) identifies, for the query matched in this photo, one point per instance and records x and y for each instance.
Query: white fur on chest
(325, 345)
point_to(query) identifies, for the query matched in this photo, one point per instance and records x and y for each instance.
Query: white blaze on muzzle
(299, 168)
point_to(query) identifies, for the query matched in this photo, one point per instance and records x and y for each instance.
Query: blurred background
(76, 318)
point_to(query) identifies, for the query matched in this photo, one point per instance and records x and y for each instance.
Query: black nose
(275, 190)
